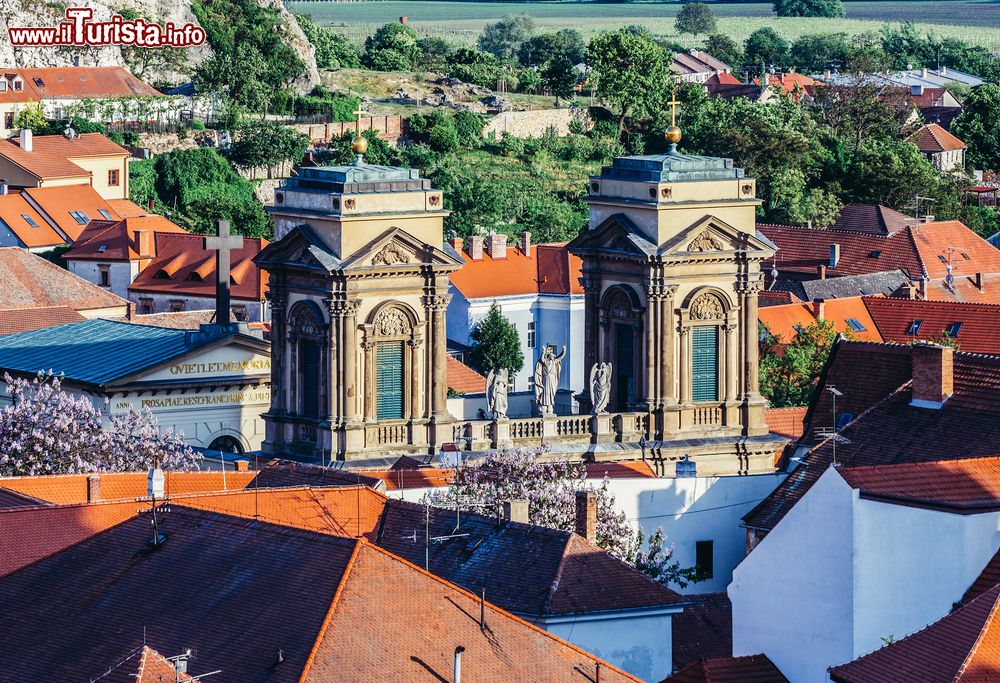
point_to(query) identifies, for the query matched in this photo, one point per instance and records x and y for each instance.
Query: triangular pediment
(396, 248)
(617, 235)
(301, 247)
(711, 235)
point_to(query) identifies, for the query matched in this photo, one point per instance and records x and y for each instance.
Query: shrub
(443, 137)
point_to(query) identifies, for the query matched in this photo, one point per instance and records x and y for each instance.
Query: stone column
(654, 295)
(436, 307)
(416, 370)
(684, 371)
(350, 355)
(750, 342)
(334, 365)
(729, 329)
(668, 395)
(279, 351)
(369, 376)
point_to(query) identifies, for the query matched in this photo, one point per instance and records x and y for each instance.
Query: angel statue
(547, 371)
(496, 393)
(600, 387)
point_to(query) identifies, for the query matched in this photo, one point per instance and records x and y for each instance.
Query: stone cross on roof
(222, 243)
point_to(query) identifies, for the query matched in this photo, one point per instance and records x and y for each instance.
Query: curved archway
(392, 336)
(622, 323)
(309, 357)
(227, 443)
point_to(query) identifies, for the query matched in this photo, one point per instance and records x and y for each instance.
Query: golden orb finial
(360, 143)
(673, 135)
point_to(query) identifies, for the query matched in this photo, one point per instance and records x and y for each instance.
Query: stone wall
(389, 128)
(533, 124)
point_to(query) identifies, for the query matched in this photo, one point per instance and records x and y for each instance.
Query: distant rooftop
(671, 168)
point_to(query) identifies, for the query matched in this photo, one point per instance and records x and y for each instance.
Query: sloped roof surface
(17, 320)
(551, 269)
(944, 241)
(932, 138)
(871, 218)
(58, 200)
(67, 489)
(15, 212)
(525, 569)
(989, 577)
(50, 155)
(117, 240)
(278, 473)
(750, 669)
(29, 281)
(77, 82)
(962, 647)
(464, 379)
(142, 665)
(865, 284)
(965, 486)
(704, 630)
(787, 422)
(979, 324)
(781, 321)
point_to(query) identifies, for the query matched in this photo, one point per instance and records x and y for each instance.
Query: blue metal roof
(93, 351)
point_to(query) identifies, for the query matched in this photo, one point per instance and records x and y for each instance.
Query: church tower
(358, 286)
(671, 271)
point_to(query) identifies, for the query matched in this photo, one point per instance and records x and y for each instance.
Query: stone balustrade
(475, 435)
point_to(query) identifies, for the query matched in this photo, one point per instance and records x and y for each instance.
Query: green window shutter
(705, 363)
(309, 354)
(389, 380)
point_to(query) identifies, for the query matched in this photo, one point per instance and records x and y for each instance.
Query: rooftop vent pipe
(457, 676)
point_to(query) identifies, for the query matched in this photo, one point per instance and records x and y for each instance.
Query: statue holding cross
(222, 244)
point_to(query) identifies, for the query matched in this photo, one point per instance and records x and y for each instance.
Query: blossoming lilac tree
(46, 430)
(550, 489)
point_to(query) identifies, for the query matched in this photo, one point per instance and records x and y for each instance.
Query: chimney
(404, 19)
(457, 675)
(944, 71)
(923, 72)
(151, 204)
(922, 288)
(26, 139)
(3, 187)
(927, 219)
(834, 255)
(821, 271)
(586, 515)
(475, 249)
(817, 308)
(144, 243)
(917, 90)
(526, 243)
(242, 465)
(977, 279)
(456, 243)
(93, 487)
(516, 511)
(496, 245)
(933, 380)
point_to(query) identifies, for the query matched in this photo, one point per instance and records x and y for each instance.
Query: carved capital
(590, 285)
(749, 288)
(436, 302)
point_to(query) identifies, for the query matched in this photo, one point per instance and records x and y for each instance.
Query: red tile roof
(786, 422)
(75, 83)
(871, 218)
(51, 155)
(965, 289)
(964, 486)
(781, 321)
(704, 630)
(182, 266)
(57, 201)
(142, 665)
(336, 608)
(932, 138)
(989, 577)
(550, 269)
(17, 320)
(888, 430)
(962, 647)
(724, 78)
(29, 281)
(621, 469)
(776, 298)
(117, 240)
(279, 473)
(977, 324)
(943, 241)
(463, 379)
(15, 212)
(750, 669)
(126, 208)
(176, 320)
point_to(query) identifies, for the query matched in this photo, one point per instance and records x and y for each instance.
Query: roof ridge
(945, 461)
(929, 302)
(324, 627)
(498, 610)
(554, 586)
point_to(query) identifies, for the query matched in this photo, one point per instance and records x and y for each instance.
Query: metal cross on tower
(222, 244)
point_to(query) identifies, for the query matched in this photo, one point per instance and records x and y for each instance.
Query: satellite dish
(69, 133)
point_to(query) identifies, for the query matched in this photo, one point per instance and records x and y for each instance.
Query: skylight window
(29, 220)
(856, 325)
(954, 329)
(107, 216)
(39, 82)
(966, 256)
(80, 217)
(914, 327)
(942, 258)
(874, 253)
(101, 249)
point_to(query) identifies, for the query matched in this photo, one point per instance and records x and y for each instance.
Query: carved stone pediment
(707, 241)
(392, 254)
(396, 248)
(707, 307)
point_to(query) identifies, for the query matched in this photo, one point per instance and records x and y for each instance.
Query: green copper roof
(357, 178)
(671, 168)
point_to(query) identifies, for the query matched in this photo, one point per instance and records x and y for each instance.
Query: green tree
(208, 204)
(631, 72)
(475, 66)
(503, 39)
(814, 52)
(32, 117)
(790, 202)
(724, 48)
(543, 48)
(495, 344)
(142, 60)
(695, 18)
(789, 367)
(469, 126)
(434, 52)
(333, 51)
(393, 47)
(978, 126)
(268, 144)
(765, 47)
(240, 75)
(808, 8)
(559, 77)
(142, 181)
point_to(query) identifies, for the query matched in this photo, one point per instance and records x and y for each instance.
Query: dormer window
(914, 328)
(17, 84)
(3, 85)
(80, 217)
(161, 275)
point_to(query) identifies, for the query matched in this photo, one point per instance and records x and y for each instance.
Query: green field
(461, 22)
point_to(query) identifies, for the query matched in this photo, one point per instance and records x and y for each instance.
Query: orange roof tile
(747, 669)
(932, 138)
(117, 241)
(973, 326)
(26, 224)
(787, 422)
(622, 469)
(17, 320)
(550, 269)
(943, 241)
(57, 201)
(67, 489)
(964, 289)
(782, 320)
(51, 155)
(723, 78)
(29, 281)
(76, 82)
(966, 485)
(463, 379)
(182, 265)
(405, 479)
(126, 208)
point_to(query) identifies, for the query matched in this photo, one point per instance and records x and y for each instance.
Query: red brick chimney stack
(586, 515)
(933, 375)
(475, 249)
(496, 246)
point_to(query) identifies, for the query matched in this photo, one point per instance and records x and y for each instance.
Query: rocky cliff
(50, 12)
